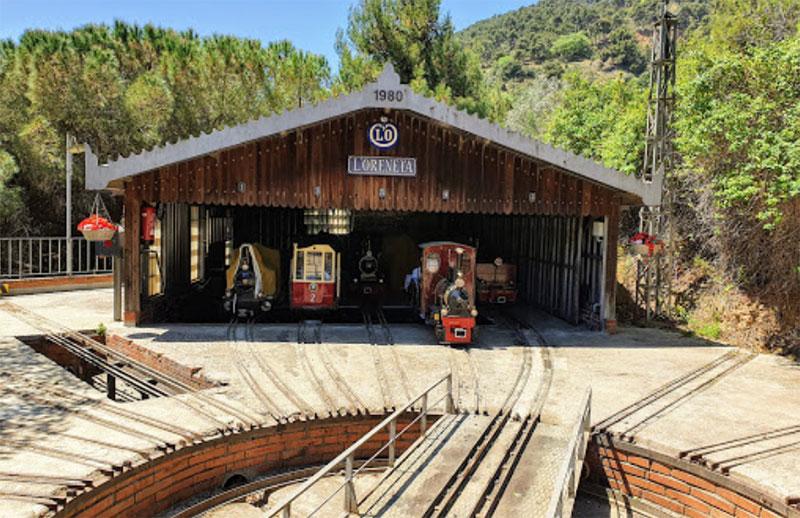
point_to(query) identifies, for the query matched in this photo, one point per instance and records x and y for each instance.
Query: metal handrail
(32, 257)
(348, 456)
(569, 474)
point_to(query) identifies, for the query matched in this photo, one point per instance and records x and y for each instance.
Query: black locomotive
(368, 285)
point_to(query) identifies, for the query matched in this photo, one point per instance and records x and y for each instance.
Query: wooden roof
(299, 158)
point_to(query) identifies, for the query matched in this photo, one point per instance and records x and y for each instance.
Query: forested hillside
(545, 36)
(737, 124)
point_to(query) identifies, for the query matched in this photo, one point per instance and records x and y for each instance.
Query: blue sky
(309, 24)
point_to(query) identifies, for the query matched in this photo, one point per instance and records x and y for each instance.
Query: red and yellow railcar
(315, 277)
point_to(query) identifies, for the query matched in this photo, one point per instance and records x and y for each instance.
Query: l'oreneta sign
(382, 166)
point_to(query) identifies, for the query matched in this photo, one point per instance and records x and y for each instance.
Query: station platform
(56, 426)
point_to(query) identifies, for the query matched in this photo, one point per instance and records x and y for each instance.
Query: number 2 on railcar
(315, 275)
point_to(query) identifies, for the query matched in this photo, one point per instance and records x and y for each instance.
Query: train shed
(384, 164)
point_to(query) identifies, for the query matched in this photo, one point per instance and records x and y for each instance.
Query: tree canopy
(421, 43)
(125, 88)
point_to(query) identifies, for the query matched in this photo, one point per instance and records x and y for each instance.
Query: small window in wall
(331, 221)
(154, 262)
(196, 246)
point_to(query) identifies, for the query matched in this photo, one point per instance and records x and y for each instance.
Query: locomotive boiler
(368, 285)
(443, 289)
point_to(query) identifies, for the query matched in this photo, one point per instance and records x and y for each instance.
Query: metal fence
(25, 257)
(347, 457)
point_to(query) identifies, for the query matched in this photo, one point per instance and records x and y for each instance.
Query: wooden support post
(609, 304)
(111, 387)
(132, 255)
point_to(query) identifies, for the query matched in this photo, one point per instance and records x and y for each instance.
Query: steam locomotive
(368, 286)
(443, 290)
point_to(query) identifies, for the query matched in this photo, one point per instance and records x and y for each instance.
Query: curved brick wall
(675, 485)
(159, 484)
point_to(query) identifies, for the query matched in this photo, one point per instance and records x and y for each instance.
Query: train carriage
(497, 282)
(443, 287)
(252, 280)
(315, 277)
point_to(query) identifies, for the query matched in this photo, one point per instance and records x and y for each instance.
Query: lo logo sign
(383, 134)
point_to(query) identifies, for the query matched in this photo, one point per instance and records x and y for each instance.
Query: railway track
(270, 406)
(340, 382)
(497, 437)
(465, 377)
(380, 371)
(157, 442)
(78, 343)
(634, 417)
(383, 334)
(305, 361)
(302, 406)
(309, 332)
(398, 367)
(47, 394)
(743, 449)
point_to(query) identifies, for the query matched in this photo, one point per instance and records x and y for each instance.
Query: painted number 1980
(389, 95)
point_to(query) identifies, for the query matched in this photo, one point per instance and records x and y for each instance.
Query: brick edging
(676, 485)
(158, 361)
(163, 481)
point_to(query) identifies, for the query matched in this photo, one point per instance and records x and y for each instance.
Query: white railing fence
(347, 457)
(25, 257)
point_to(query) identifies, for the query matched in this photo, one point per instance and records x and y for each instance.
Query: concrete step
(421, 472)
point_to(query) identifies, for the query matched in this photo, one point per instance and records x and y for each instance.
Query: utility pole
(654, 273)
(72, 148)
(69, 205)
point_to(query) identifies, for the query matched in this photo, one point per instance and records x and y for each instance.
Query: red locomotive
(315, 274)
(497, 282)
(443, 288)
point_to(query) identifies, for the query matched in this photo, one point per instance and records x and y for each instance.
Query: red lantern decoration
(97, 227)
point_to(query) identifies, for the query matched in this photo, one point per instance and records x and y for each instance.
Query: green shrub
(572, 47)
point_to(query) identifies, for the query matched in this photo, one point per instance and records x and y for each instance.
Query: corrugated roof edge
(100, 176)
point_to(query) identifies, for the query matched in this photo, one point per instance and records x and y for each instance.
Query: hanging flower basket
(97, 227)
(642, 243)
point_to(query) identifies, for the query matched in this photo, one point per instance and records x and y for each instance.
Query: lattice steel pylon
(654, 273)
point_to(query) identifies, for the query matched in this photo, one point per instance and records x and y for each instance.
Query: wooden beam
(610, 270)
(132, 263)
